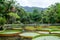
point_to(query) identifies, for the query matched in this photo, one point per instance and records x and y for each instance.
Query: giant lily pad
(29, 34)
(9, 33)
(47, 38)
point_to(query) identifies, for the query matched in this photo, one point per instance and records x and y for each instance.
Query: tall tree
(7, 6)
(53, 13)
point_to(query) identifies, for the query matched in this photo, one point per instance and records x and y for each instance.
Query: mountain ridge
(30, 9)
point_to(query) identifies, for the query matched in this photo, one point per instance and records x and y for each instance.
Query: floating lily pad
(47, 38)
(29, 34)
(9, 32)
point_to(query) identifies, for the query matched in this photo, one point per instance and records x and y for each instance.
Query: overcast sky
(37, 3)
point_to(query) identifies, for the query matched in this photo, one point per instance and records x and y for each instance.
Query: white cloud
(37, 3)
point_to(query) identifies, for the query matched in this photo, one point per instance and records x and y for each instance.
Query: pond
(47, 38)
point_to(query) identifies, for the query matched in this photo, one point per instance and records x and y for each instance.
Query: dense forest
(13, 13)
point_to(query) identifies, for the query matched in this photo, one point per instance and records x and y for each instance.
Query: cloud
(37, 3)
(24, 2)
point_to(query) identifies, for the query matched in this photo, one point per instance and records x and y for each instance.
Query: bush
(2, 21)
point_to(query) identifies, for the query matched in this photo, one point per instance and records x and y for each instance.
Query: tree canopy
(13, 12)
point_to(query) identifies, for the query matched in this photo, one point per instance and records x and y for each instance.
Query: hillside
(30, 9)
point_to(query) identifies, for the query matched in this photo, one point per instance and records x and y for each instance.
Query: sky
(37, 3)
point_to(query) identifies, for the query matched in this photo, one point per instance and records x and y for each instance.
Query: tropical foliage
(14, 13)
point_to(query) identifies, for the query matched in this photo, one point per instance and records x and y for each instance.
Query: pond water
(47, 38)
